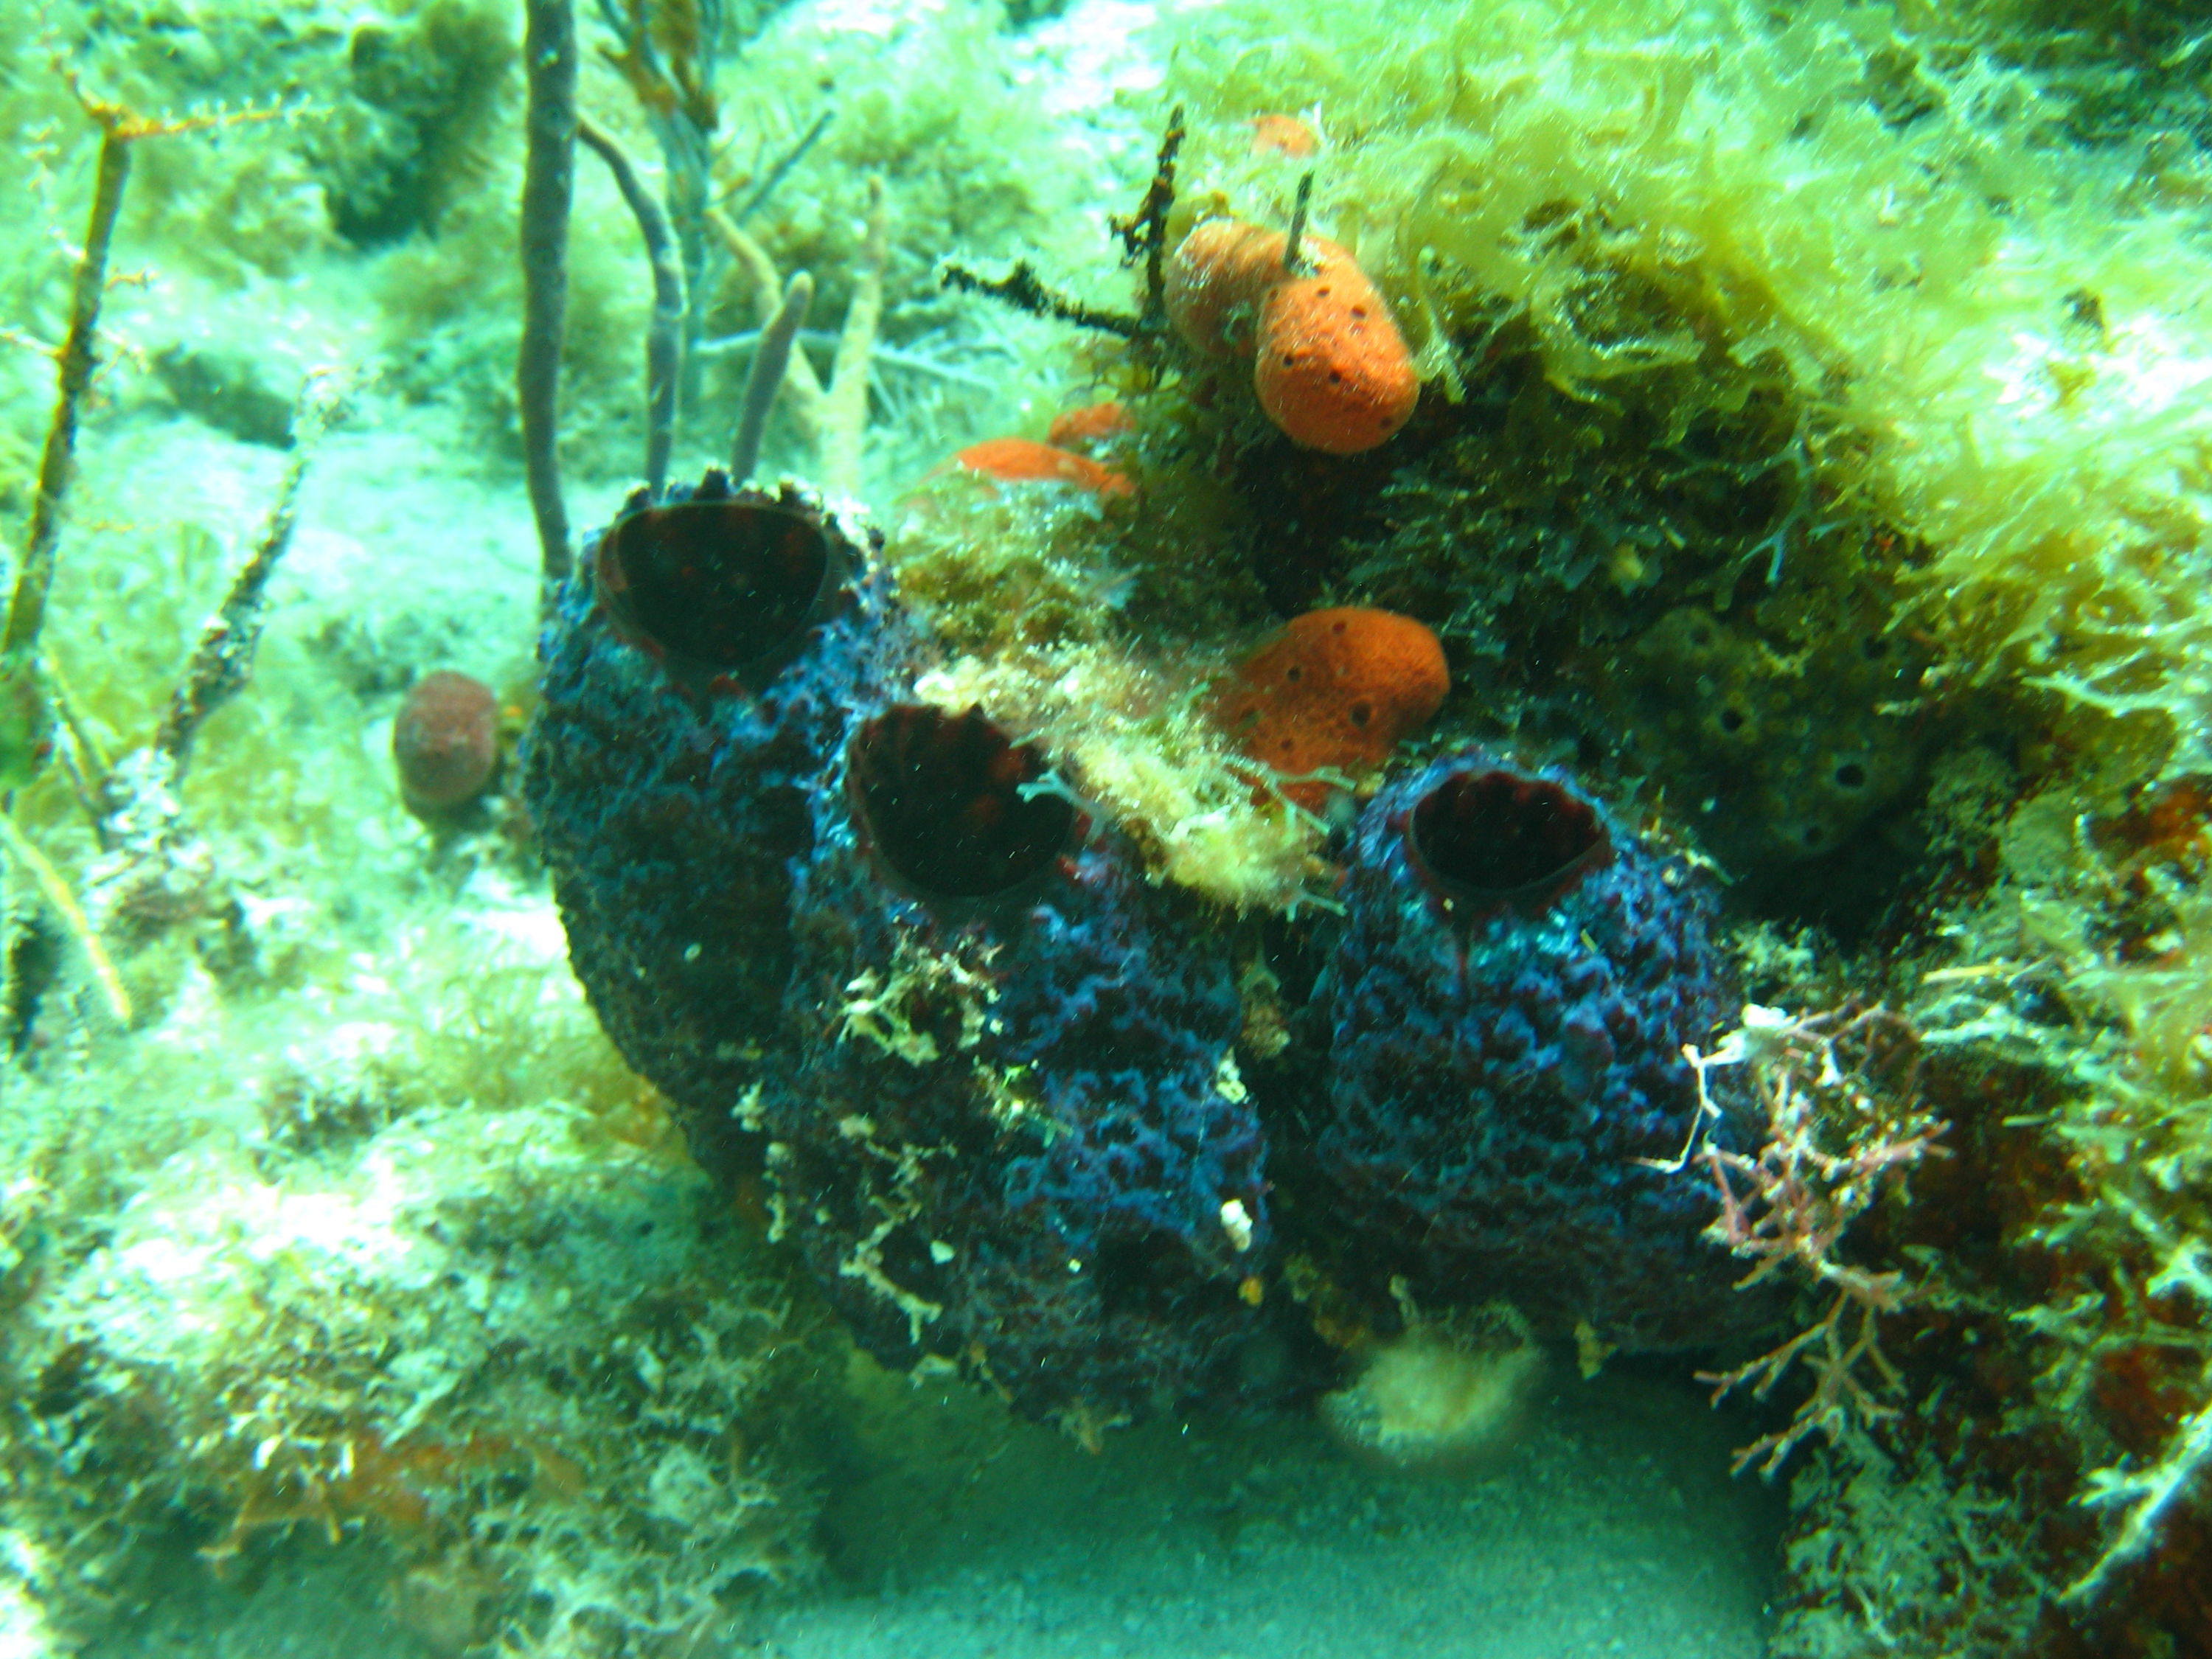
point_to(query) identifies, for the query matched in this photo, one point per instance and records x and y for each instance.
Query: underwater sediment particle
(1507, 1004)
(697, 676)
(445, 742)
(1013, 1133)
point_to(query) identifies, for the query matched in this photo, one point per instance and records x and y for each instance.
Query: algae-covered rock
(422, 89)
(230, 390)
(1779, 758)
(476, 1309)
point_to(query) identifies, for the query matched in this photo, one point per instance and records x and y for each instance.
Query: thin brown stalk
(664, 337)
(224, 657)
(548, 189)
(35, 576)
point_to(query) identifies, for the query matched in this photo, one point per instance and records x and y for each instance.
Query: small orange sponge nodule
(1024, 460)
(1216, 280)
(1336, 688)
(1331, 368)
(445, 742)
(1282, 135)
(1093, 423)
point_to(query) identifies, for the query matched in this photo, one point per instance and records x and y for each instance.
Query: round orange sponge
(1336, 688)
(1332, 370)
(445, 742)
(1215, 280)
(1329, 365)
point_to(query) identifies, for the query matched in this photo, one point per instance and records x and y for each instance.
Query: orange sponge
(1337, 688)
(1024, 460)
(1282, 135)
(445, 742)
(1216, 280)
(1092, 423)
(1329, 365)
(1332, 370)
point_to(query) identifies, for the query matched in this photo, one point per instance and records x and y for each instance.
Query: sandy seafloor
(1609, 1527)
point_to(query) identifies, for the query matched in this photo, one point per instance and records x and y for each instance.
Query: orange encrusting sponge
(1336, 688)
(1024, 460)
(1329, 365)
(1093, 423)
(1282, 135)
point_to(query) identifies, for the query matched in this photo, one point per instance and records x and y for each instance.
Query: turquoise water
(1407, 855)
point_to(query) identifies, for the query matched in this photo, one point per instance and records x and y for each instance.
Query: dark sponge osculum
(1506, 1006)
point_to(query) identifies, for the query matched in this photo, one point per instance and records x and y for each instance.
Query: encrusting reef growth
(1707, 492)
(1469, 689)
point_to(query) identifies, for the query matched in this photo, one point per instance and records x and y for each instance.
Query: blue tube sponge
(1013, 1134)
(873, 952)
(1514, 983)
(698, 673)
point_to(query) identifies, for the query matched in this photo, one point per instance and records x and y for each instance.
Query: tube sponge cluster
(885, 960)
(876, 956)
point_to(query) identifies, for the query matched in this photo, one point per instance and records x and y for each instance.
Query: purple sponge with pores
(1012, 1134)
(1514, 979)
(699, 671)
